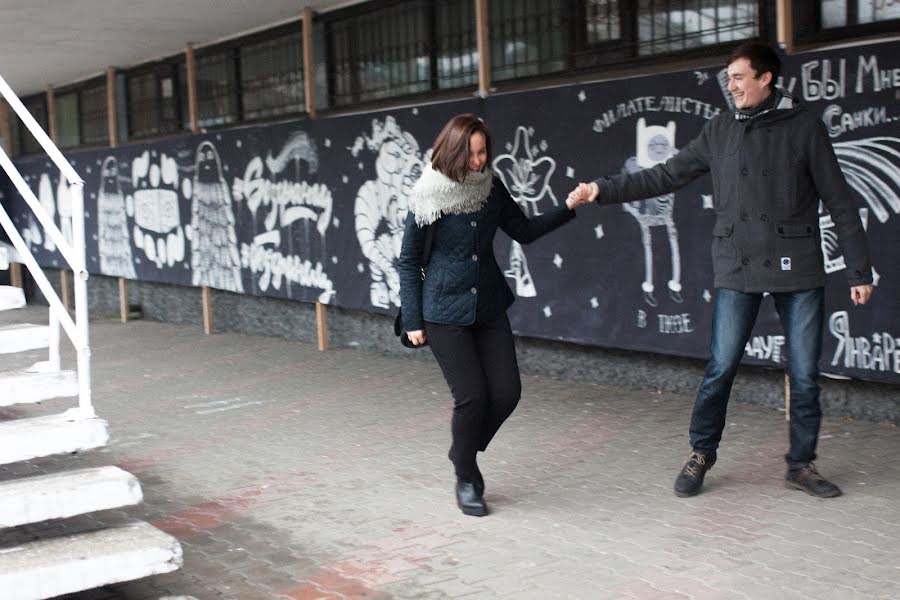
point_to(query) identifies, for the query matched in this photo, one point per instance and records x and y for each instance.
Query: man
(771, 162)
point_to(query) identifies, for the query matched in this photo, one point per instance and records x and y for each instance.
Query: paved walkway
(289, 473)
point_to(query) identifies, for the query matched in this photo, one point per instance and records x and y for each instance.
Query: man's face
(745, 87)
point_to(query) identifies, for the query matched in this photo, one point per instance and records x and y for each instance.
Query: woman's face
(477, 152)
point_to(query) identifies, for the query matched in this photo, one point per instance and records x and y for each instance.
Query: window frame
(23, 134)
(166, 67)
(807, 17)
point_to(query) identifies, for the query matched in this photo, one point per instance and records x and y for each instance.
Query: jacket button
(767, 263)
(474, 223)
(764, 217)
(474, 290)
(474, 257)
(745, 261)
(745, 171)
(745, 216)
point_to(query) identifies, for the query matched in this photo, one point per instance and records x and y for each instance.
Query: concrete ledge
(62, 495)
(19, 338)
(27, 388)
(53, 567)
(24, 439)
(11, 297)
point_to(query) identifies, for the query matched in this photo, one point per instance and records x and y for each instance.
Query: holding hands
(583, 194)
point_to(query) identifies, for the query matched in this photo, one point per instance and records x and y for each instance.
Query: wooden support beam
(15, 275)
(482, 34)
(123, 300)
(784, 16)
(6, 127)
(191, 68)
(51, 115)
(64, 284)
(321, 327)
(787, 397)
(207, 310)
(309, 88)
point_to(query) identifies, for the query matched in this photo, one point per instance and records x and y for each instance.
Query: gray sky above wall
(47, 42)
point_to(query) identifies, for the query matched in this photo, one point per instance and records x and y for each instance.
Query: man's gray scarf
(435, 195)
(777, 100)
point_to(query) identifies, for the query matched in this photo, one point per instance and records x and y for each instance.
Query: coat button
(745, 216)
(474, 223)
(474, 290)
(745, 261)
(474, 257)
(767, 263)
(764, 217)
(745, 171)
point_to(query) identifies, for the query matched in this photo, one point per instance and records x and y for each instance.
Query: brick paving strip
(293, 474)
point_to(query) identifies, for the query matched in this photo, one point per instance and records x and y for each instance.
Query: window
(820, 20)
(400, 48)
(217, 91)
(92, 112)
(272, 77)
(37, 106)
(528, 37)
(154, 106)
(668, 26)
(68, 132)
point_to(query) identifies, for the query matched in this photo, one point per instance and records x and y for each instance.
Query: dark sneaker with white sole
(807, 479)
(690, 480)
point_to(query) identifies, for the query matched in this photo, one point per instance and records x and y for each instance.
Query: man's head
(752, 70)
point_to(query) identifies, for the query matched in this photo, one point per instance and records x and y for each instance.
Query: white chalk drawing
(281, 203)
(382, 203)
(64, 208)
(655, 145)
(526, 174)
(871, 168)
(215, 261)
(112, 224)
(878, 352)
(48, 202)
(157, 231)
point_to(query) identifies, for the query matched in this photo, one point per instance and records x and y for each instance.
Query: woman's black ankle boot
(469, 500)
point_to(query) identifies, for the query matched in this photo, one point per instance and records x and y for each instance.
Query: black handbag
(398, 320)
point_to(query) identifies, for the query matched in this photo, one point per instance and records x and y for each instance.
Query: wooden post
(483, 44)
(309, 88)
(15, 269)
(785, 25)
(206, 295)
(123, 300)
(15, 275)
(787, 397)
(112, 126)
(64, 284)
(194, 117)
(321, 327)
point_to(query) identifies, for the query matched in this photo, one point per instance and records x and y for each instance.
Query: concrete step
(52, 567)
(26, 388)
(11, 297)
(24, 439)
(62, 495)
(19, 338)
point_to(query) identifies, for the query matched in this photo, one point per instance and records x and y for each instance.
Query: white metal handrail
(74, 253)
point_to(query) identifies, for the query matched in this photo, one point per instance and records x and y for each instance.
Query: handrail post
(83, 352)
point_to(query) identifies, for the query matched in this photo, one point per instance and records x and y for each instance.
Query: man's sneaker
(806, 478)
(690, 479)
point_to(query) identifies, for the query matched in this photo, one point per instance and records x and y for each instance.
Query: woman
(460, 307)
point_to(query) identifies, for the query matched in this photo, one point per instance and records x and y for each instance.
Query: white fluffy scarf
(435, 194)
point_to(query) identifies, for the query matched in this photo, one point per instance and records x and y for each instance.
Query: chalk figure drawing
(215, 260)
(112, 224)
(158, 231)
(48, 202)
(526, 175)
(382, 203)
(655, 145)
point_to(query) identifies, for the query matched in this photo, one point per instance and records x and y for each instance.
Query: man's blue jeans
(802, 314)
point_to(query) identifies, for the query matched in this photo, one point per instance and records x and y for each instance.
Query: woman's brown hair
(450, 153)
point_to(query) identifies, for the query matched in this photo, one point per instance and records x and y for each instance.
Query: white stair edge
(26, 388)
(24, 439)
(10, 252)
(63, 495)
(19, 338)
(52, 567)
(11, 297)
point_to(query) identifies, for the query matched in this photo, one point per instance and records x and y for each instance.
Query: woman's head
(463, 145)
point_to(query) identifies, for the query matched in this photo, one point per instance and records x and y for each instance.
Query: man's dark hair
(762, 58)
